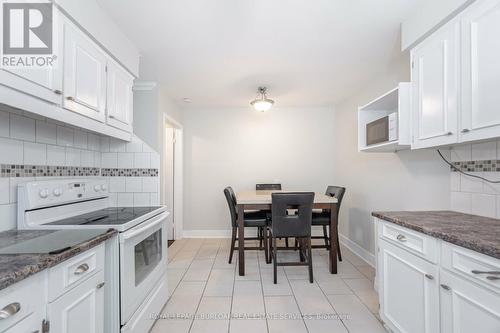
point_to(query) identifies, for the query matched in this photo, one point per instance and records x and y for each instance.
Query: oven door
(143, 261)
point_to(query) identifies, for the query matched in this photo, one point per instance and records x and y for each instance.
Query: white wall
(149, 107)
(429, 15)
(241, 147)
(409, 180)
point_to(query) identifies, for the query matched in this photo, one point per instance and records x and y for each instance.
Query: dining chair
(257, 219)
(269, 187)
(322, 218)
(297, 226)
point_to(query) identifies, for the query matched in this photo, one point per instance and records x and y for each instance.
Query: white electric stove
(137, 263)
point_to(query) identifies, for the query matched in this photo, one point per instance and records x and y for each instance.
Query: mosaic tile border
(132, 172)
(477, 166)
(25, 170)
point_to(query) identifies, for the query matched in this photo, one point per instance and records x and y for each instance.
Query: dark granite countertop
(15, 267)
(481, 234)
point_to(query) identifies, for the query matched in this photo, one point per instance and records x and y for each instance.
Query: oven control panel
(58, 192)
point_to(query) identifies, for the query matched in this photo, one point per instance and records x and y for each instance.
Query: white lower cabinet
(466, 307)
(460, 293)
(80, 310)
(34, 305)
(409, 291)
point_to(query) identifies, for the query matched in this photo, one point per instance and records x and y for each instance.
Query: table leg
(241, 239)
(333, 238)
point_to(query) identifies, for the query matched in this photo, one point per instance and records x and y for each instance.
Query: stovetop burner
(109, 216)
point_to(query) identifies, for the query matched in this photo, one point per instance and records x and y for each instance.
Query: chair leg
(302, 250)
(269, 245)
(275, 262)
(266, 249)
(233, 241)
(296, 245)
(338, 248)
(259, 235)
(286, 242)
(325, 236)
(309, 259)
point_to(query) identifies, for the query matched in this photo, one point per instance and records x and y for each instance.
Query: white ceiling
(217, 52)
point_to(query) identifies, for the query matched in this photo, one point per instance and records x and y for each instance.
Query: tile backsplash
(472, 195)
(35, 148)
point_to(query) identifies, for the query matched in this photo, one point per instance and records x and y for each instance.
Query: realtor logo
(27, 34)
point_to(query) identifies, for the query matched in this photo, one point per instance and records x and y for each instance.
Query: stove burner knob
(97, 188)
(57, 192)
(43, 193)
(104, 187)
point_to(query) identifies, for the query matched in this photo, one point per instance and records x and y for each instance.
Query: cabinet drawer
(71, 272)
(475, 266)
(32, 324)
(419, 244)
(22, 299)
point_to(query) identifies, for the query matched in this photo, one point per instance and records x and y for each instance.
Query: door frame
(178, 173)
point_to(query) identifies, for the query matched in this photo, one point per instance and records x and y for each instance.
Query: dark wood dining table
(261, 200)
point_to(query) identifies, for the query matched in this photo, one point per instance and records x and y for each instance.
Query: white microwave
(382, 130)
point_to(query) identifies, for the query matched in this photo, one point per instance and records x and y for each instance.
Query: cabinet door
(481, 71)
(81, 309)
(435, 88)
(119, 97)
(84, 74)
(409, 291)
(43, 83)
(466, 307)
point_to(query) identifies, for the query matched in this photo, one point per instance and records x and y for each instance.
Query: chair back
(231, 202)
(298, 225)
(337, 192)
(268, 187)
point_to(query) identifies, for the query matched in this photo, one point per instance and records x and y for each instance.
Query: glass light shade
(262, 105)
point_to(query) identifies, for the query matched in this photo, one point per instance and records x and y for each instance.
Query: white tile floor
(208, 295)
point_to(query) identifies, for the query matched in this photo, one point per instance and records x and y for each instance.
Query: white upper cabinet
(481, 71)
(435, 75)
(84, 74)
(119, 97)
(43, 83)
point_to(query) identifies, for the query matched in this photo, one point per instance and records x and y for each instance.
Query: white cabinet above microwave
(384, 123)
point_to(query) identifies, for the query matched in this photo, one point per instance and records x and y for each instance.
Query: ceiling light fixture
(262, 103)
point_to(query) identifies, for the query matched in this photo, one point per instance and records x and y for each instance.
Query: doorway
(172, 177)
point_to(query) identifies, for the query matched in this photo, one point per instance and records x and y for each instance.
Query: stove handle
(149, 225)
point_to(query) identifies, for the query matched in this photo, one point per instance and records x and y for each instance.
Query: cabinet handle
(486, 272)
(111, 116)
(10, 310)
(70, 98)
(445, 287)
(100, 285)
(465, 130)
(449, 133)
(430, 277)
(57, 92)
(493, 278)
(81, 269)
(401, 238)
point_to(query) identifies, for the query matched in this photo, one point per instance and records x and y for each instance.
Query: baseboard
(368, 257)
(225, 233)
